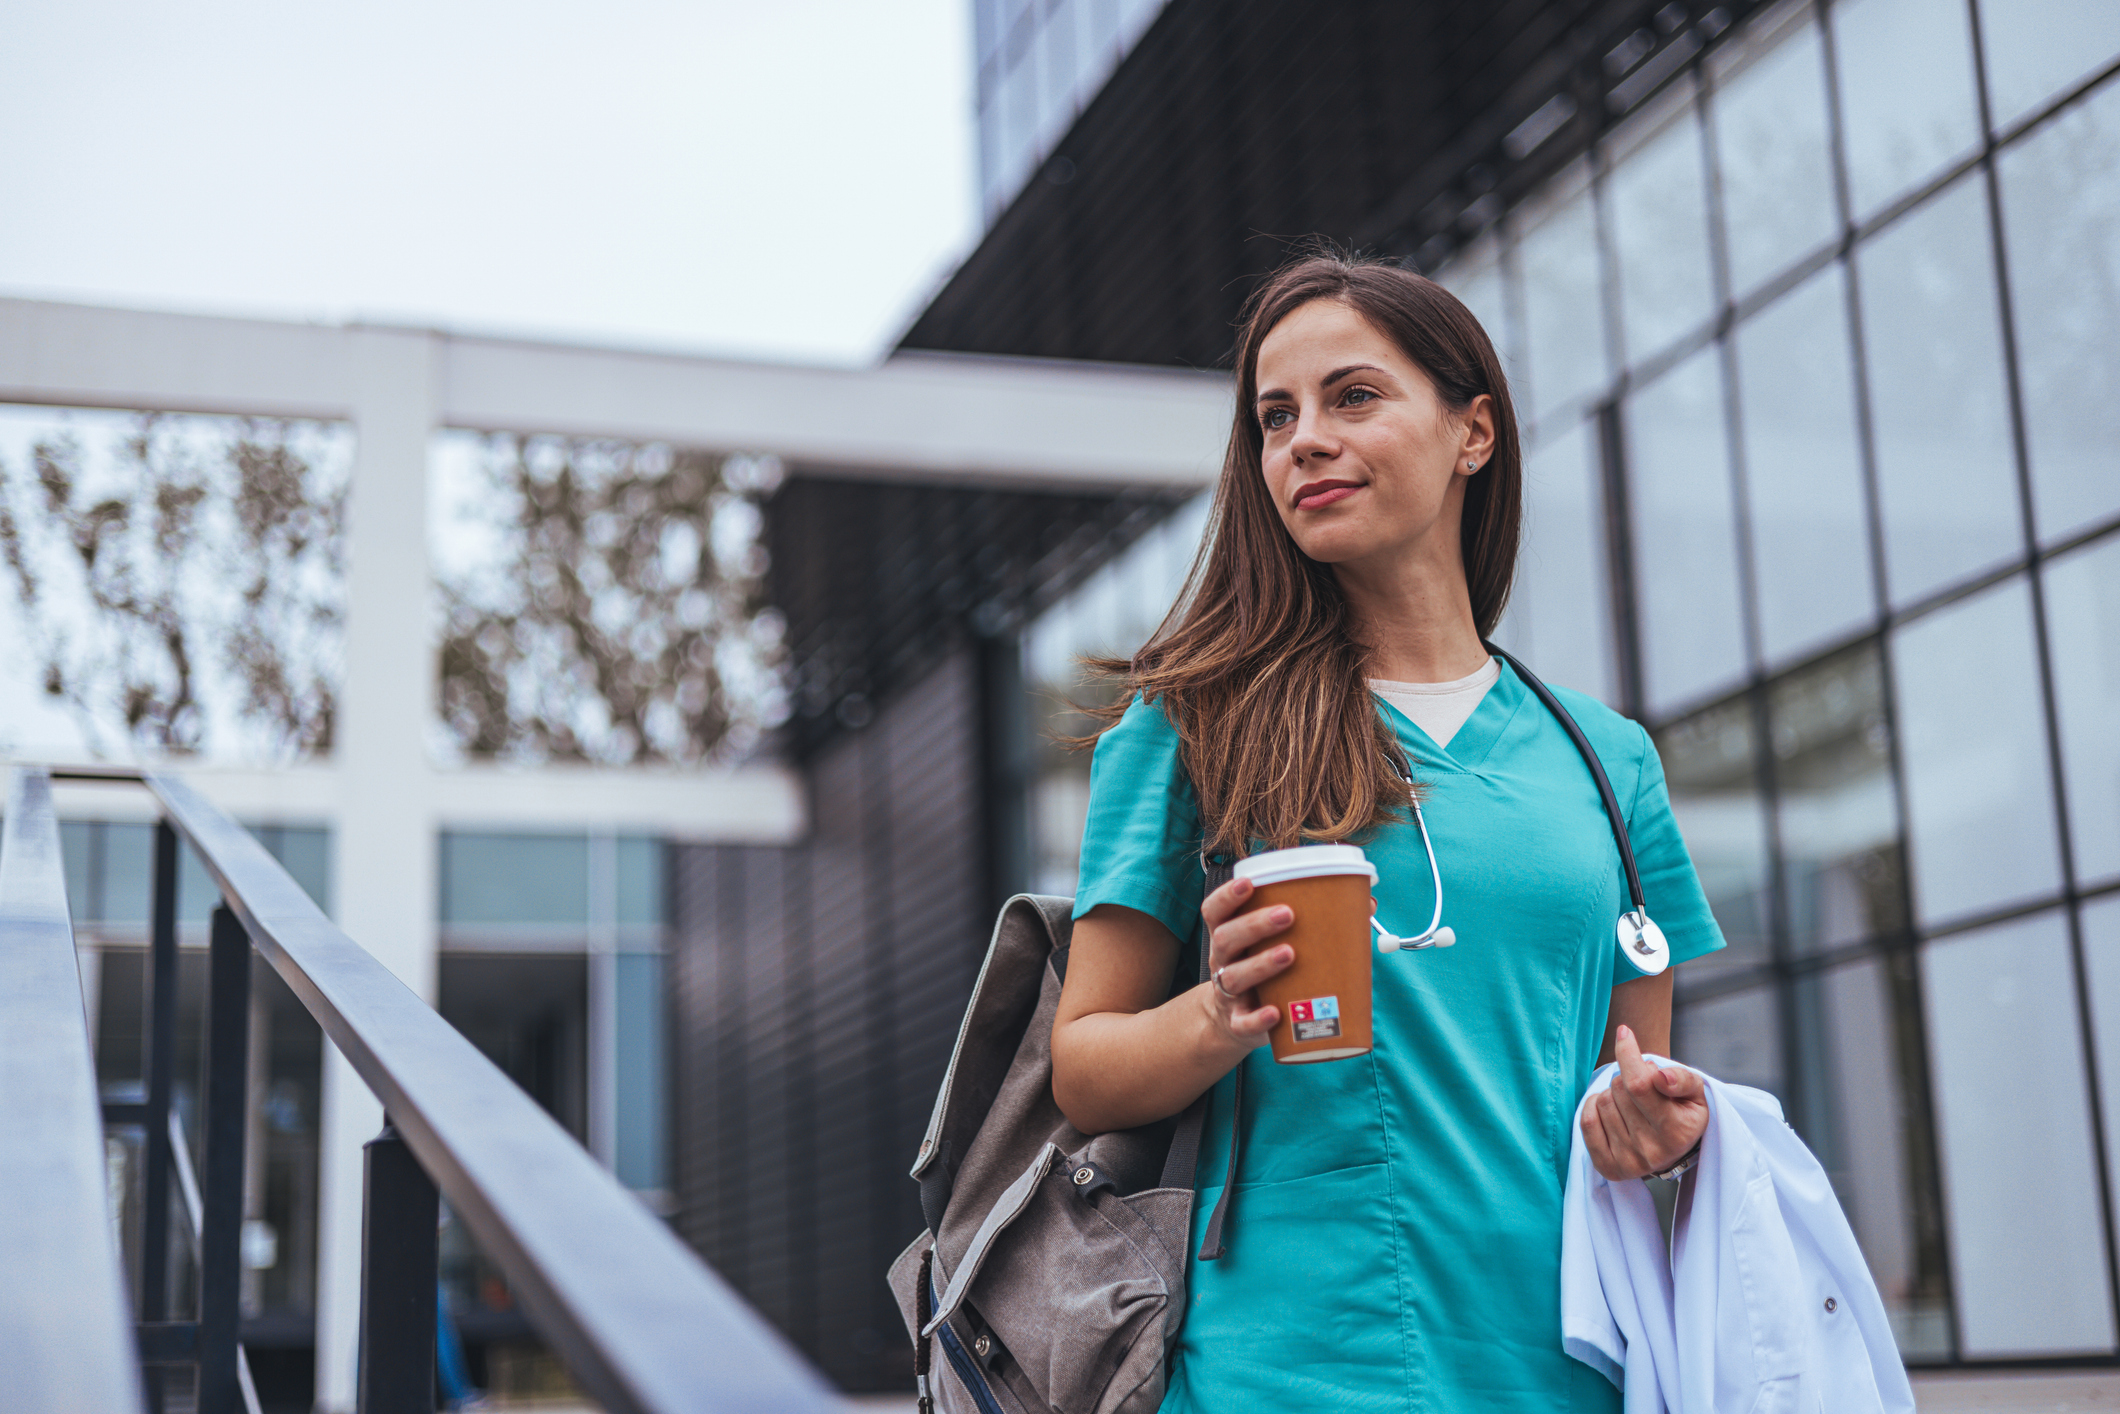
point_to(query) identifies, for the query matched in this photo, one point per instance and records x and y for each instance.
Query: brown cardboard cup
(1324, 994)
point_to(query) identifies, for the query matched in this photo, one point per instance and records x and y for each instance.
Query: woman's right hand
(1125, 1051)
(1233, 1006)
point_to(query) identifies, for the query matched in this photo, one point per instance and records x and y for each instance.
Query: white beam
(383, 854)
(916, 417)
(750, 805)
(84, 356)
(758, 804)
(919, 416)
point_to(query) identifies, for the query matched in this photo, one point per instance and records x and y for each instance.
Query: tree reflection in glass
(1657, 195)
(2061, 213)
(1770, 130)
(1842, 874)
(1858, 1039)
(1908, 103)
(1709, 763)
(1557, 258)
(1946, 472)
(1735, 1037)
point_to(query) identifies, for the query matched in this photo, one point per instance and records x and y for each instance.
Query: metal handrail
(64, 1319)
(195, 1227)
(641, 1322)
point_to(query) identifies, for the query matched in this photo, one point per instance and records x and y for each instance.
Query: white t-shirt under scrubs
(1439, 708)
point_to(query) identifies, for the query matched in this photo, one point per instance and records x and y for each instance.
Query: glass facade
(1111, 613)
(1040, 62)
(552, 962)
(1823, 339)
(1870, 490)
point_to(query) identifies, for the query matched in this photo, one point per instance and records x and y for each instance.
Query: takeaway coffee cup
(1324, 994)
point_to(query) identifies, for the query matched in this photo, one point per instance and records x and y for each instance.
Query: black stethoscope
(1639, 937)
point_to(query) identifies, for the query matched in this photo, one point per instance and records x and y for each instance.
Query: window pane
(986, 27)
(1974, 746)
(1803, 472)
(1859, 1030)
(2101, 957)
(1658, 199)
(76, 844)
(2006, 1053)
(1735, 1038)
(1056, 73)
(1906, 93)
(197, 894)
(1477, 280)
(530, 1016)
(128, 882)
(515, 878)
(1685, 535)
(305, 853)
(1946, 473)
(2061, 218)
(1841, 869)
(1563, 305)
(2083, 628)
(638, 1041)
(1709, 762)
(2037, 48)
(1559, 616)
(640, 881)
(1771, 142)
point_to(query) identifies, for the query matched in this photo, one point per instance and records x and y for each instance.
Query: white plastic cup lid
(1308, 861)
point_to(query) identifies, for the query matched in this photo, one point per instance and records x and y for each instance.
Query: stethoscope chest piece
(1643, 942)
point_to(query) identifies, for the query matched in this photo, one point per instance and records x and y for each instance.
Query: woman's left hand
(1648, 1120)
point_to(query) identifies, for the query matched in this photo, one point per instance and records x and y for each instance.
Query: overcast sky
(778, 178)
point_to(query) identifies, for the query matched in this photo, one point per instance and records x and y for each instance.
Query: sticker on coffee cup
(1315, 1019)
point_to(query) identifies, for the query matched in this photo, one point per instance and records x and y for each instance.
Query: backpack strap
(1184, 1157)
(1180, 1169)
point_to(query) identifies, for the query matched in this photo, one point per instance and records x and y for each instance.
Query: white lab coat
(1763, 1302)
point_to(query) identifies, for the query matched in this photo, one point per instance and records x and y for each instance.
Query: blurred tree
(621, 621)
(183, 560)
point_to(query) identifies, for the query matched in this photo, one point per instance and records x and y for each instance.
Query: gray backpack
(1052, 1271)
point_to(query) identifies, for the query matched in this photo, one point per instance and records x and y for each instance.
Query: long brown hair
(1256, 664)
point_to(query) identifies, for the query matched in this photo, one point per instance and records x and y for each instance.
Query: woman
(1394, 1238)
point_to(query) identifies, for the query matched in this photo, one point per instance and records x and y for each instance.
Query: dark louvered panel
(848, 1326)
(818, 990)
(771, 1065)
(881, 583)
(1237, 128)
(694, 989)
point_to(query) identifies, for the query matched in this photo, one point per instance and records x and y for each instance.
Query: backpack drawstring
(923, 1345)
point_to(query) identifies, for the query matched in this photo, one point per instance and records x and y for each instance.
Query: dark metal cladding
(64, 1322)
(161, 1064)
(221, 1195)
(818, 989)
(1233, 130)
(880, 582)
(400, 1246)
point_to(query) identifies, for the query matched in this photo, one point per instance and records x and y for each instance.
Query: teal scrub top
(1394, 1240)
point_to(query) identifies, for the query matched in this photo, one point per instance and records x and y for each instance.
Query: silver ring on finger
(1216, 978)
